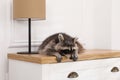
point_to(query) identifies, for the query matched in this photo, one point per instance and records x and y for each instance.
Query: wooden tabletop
(86, 55)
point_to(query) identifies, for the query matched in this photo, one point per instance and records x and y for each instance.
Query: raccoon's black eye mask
(67, 51)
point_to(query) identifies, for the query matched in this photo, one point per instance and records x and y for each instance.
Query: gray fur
(56, 44)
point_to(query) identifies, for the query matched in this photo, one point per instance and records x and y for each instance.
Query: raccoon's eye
(73, 50)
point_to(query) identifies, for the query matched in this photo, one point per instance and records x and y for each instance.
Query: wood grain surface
(86, 55)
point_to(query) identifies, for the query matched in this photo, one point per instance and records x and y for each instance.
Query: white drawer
(87, 70)
(103, 73)
(83, 65)
(90, 74)
(113, 71)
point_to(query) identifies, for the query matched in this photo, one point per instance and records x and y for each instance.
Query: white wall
(102, 23)
(3, 41)
(116, 24)
(89, 20)
(72, 17)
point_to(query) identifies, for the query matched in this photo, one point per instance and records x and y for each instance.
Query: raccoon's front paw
(75, 58)
(58, 59)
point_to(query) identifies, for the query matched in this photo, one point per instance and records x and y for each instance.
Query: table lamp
(28, 10)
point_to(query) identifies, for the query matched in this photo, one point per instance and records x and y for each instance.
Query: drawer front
(86, 70)
(81, 65)
(113, 72)
(103, 73)
(92, 74)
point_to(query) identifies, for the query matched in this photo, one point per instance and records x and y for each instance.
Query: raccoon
(59, 45)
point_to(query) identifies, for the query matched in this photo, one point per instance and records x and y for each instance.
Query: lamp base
(27, 53)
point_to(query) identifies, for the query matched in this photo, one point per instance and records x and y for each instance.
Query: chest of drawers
(91, 65)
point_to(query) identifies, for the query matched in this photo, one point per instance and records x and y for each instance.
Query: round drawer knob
(115, 69)
(73, 75)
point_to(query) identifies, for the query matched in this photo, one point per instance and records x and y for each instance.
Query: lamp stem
(29, 35)
(29, 40)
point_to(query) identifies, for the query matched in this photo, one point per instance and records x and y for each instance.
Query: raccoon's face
(66, 45)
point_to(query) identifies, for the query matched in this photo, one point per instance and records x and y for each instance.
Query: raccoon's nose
(69, 48)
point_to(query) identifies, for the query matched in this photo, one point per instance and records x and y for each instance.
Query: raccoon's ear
(60, 37)
(75, 39)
